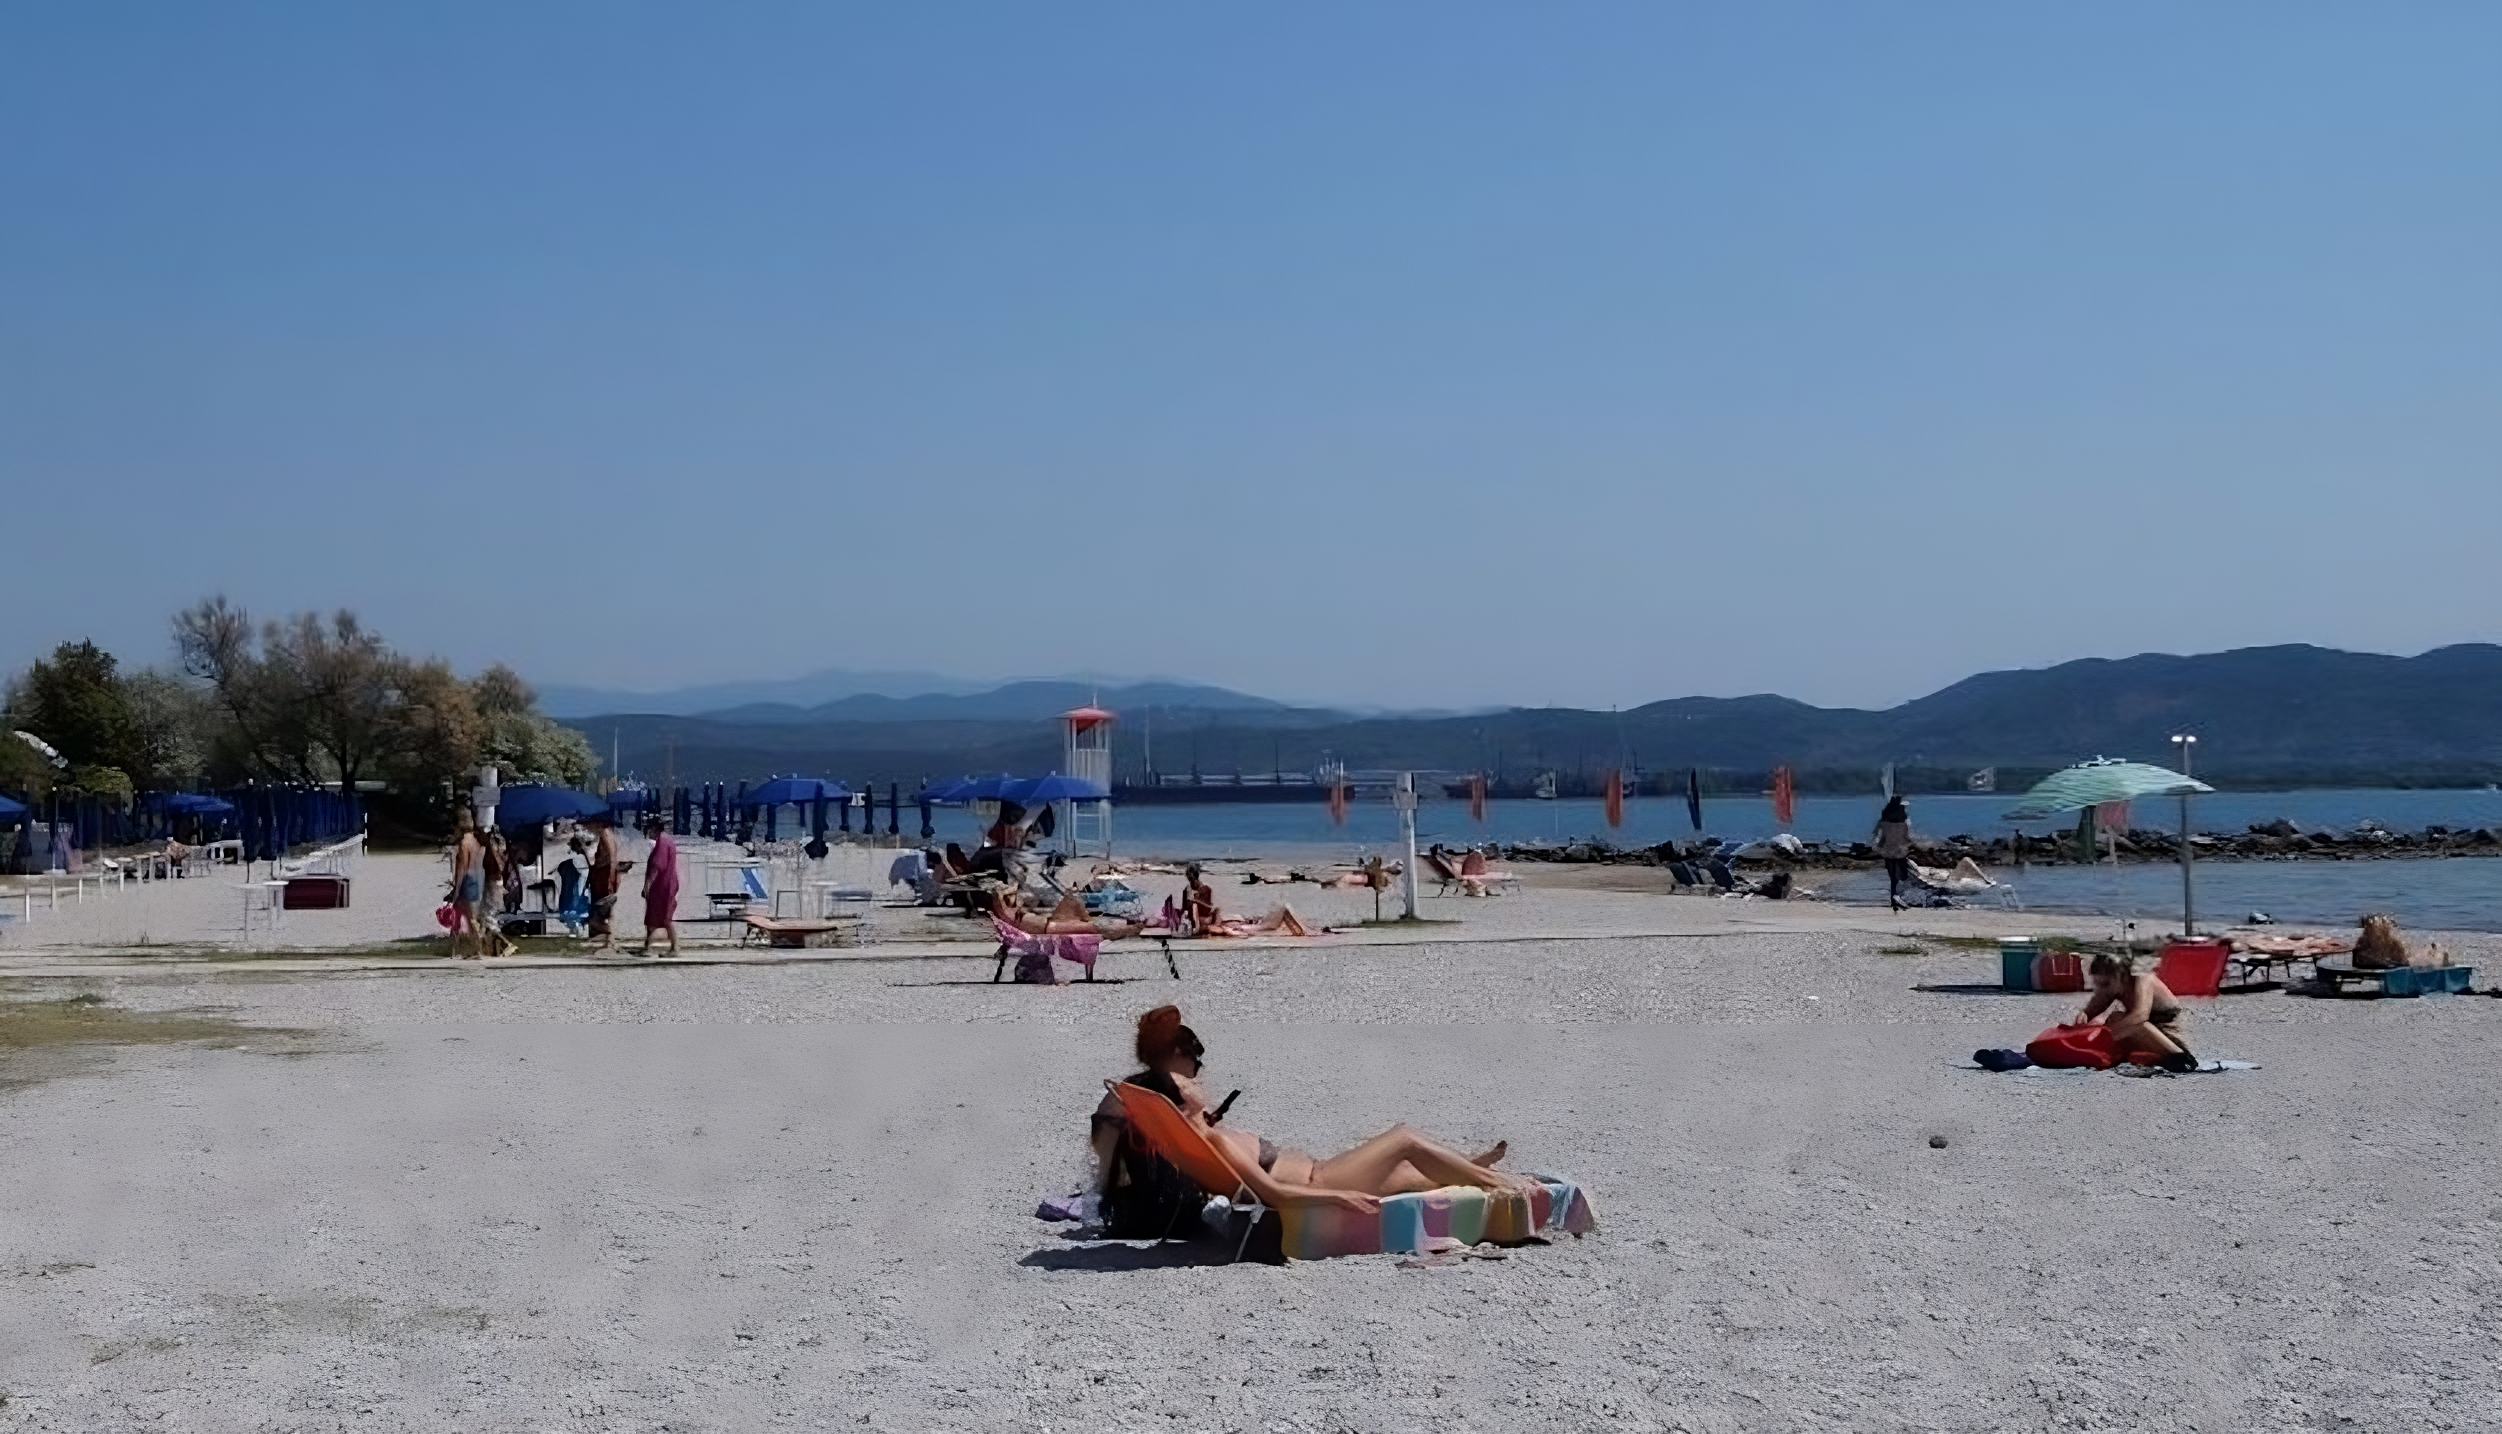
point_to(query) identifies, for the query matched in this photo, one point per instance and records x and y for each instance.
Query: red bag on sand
(2068, 1047)
(2058, 971)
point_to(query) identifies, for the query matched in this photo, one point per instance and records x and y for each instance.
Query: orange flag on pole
(1615, 797)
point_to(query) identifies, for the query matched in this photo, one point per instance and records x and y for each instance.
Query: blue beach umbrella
(797, 791)
(527, 804)
(973, 789)
(1045, 790)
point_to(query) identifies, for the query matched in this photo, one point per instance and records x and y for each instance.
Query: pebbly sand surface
(740, 1196)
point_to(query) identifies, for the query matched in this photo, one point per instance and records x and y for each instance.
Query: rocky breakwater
(2278, 840)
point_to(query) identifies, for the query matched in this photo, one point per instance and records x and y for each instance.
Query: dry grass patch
(40, 1039)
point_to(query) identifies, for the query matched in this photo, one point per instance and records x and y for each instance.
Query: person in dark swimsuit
(2143, 1016)
(1400, 1159)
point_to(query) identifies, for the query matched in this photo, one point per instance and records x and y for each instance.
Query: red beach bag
(2058, 971)
(2069, 1047)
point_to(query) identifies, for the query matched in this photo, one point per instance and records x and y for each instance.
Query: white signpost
(482, 799)
(1405, 800)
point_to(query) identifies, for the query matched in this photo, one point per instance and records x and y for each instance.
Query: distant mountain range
(843, 695)
(2264, 716)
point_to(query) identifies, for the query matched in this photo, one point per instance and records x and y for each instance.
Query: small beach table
(2345, 978)
(2264, 970)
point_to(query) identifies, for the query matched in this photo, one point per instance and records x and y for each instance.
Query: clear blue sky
(1405, 354)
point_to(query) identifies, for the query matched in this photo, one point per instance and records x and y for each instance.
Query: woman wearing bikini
(1397, 1161)
(2144, 1017)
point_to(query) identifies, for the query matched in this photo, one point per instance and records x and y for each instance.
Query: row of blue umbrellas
(1028, 792)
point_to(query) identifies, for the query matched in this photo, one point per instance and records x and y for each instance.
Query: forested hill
(2272, 715)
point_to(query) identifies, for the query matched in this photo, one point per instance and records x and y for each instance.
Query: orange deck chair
(1169, 1133)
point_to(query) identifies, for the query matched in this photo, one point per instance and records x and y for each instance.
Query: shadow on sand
(1113, 1257)
(1098, 981)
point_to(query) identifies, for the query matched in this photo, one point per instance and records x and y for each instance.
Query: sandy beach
(735, 1195)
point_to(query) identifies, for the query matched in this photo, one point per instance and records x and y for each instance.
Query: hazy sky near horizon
(1393, 354)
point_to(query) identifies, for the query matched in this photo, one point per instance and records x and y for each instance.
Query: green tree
(74, 701)
(522, 743)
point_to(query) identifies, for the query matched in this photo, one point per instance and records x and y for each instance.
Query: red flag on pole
(1615, 797)
(1784, 796)
(1477, 799)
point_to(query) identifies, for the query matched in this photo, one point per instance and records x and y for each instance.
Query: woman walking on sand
(1893, 842)
(660, 886)
(468, 884)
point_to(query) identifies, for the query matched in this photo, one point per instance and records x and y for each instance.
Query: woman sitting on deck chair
(1397, 1161)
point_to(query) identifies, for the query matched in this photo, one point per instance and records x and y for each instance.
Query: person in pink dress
(660, 886)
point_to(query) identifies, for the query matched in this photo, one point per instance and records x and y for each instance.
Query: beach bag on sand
(2058, 971)
(2074, 1047)
(1150, 1200)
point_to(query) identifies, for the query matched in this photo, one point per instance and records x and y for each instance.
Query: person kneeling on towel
(2142, 1014)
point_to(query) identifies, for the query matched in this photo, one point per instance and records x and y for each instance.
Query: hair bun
(1158, 1031)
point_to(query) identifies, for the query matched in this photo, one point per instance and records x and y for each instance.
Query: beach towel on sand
(1409, 1224)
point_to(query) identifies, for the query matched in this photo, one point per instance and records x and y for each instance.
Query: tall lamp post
(2188, 745)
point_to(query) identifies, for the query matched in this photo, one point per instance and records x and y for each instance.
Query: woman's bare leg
(2144, 1043)
(1375, 1166)
(1284, 919)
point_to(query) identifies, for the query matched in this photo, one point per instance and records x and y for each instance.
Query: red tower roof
(1085, 717)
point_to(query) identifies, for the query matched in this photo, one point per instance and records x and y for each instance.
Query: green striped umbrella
(2104, 779)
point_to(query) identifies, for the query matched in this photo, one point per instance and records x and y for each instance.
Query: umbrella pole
(2188, 745)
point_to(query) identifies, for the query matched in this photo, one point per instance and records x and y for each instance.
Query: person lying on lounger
(2142, 1014)
(1400, 1160)
(1199, 905)
(1069, 918)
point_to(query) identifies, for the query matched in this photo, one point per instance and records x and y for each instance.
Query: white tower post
(1088, 755)
(1405, 797)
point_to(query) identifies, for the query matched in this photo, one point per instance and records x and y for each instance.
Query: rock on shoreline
(2279, 840)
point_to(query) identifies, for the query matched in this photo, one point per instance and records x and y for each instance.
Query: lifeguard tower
(1087, 825)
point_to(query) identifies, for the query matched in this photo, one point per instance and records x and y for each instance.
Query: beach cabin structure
(1086, 826)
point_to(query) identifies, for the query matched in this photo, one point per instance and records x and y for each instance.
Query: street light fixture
(2188, 745)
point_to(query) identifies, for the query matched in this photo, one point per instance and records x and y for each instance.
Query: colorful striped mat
(1407, 1223)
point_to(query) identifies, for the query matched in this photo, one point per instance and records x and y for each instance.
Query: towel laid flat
(1408, 1222)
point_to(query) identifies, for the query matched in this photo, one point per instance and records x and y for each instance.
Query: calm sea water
(2450, 894)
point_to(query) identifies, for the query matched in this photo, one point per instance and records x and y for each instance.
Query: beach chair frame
(1170, 1134)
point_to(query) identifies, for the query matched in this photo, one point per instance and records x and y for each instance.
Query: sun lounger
(1080, 947)
(1407, 1224)
(1160, 1124)
(2338, 978)
(1965, 878)
(787, 933)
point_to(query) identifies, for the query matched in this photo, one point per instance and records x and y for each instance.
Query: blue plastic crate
(2427, 980)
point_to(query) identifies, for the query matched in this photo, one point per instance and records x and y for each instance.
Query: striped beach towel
(1408, 1223)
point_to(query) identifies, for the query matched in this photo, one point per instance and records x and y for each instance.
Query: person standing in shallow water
(1893, 842)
